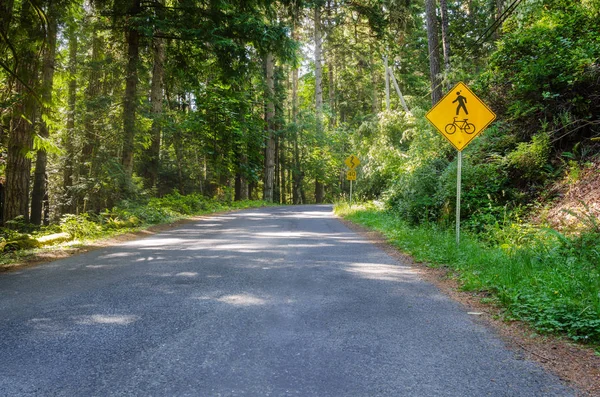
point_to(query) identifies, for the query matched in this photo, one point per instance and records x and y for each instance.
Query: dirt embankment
(577, 205)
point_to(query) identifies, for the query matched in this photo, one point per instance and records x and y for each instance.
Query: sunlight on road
(242, 300)
(375, 271)
(154, 242)
(106, 319)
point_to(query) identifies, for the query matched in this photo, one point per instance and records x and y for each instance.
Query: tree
(25, 39)
(131, 78)
(433, 47)
(39, 192)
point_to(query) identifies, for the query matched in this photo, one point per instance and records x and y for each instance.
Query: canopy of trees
(110, 100)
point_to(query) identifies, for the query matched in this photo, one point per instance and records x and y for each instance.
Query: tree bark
(387, 83)
(318, 96)
(68, 138)
(445, 39)
(499, 11)
(40, 178)
(296, 170)
(277, 184)
(269, 174)
(318, 70)
(129, 101)
(156, 96)
(434, 54)
(282, 167)
(18, 165)
(90, 137)
(374, 90)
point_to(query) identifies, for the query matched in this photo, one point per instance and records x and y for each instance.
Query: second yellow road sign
(352, 161)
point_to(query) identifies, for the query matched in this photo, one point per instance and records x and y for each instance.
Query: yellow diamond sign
(460, 116)
(352, 161)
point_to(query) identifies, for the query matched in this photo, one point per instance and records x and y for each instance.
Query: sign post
(352, 162)
(447, 117)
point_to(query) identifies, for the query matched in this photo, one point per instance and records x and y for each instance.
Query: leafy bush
(80, 226)
(528, 161)
(414, 194)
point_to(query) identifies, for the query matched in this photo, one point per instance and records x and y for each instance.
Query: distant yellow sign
(352, 161)
(460, 116)
(351, 175)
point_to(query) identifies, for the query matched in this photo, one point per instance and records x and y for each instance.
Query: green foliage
(413, 195)
(547, 279)
(80, 226)
(546, 68)
(529, 159)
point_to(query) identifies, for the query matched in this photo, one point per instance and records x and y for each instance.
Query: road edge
(576, 365)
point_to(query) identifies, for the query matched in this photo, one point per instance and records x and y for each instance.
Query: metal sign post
(458, 188)
(459, 117)
(352, 162)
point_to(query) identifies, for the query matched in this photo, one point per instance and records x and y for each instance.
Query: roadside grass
(19, 242)
(551, 281)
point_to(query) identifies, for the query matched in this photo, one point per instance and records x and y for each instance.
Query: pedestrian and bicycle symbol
(460, 116)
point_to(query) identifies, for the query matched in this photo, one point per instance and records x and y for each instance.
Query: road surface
(282, 301)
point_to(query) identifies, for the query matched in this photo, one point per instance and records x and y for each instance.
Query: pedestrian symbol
(460, 116)
(462, 103)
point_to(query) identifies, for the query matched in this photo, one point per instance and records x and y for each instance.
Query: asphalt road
(267, 302)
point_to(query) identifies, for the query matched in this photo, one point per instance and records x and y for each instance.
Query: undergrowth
(551, 281)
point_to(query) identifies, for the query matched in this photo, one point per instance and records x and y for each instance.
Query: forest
(105, 101)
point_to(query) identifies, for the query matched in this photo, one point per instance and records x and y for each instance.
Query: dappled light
(106, 319)
(153, 242)
(242, 300)
(187, 274)
(381, 272)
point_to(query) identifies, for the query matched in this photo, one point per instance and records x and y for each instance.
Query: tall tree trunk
(318, 97)
(241, 158)
(90, 138)
(157, 106)
(332, 120)
(434, 53)
(130, 100)
(68, 138)
(318, 70)
(297, 174)
(282, 167)
(499, 11)
(296, 171)
(387, 83)
(445, 40)
(269, 177)
(156, 97)
(277, 184)
(374, 88)
(39, 182)
(18, 164)
(319, 191)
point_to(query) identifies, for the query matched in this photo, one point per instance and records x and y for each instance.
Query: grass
(551, 282)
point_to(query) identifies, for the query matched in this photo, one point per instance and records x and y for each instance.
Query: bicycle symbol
(462, 125)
